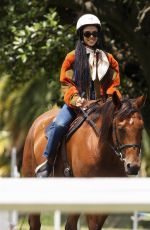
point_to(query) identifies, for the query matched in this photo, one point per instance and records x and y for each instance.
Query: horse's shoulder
(46, 115)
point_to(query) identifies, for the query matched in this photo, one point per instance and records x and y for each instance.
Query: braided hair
(81, 65)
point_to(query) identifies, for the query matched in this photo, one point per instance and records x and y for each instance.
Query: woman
(87, 73)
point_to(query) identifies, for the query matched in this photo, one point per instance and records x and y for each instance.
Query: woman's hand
(79, 102)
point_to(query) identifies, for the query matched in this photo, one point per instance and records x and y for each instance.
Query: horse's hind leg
(96, 222)
(72, 221)
(34, 221)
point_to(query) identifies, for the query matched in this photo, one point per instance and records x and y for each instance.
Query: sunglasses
(88, 34)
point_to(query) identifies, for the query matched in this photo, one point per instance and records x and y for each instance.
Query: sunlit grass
(26, 227)
(47, 221)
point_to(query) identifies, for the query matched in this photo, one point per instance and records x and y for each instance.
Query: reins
(86, 112)
(91, 122)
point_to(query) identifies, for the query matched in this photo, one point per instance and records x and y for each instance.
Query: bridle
(118, 147)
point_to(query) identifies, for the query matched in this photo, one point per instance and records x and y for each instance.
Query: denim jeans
(58, 129)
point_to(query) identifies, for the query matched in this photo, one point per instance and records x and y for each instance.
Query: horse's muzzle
(132, 169)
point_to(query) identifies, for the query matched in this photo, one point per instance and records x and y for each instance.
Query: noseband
(119, 147)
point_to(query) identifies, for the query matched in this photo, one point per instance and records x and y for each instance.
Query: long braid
(81, 68)
(81, 65)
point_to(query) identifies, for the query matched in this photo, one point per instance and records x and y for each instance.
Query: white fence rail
(75, 195)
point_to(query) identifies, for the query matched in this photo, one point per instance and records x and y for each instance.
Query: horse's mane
(108, 111)
(107, 114)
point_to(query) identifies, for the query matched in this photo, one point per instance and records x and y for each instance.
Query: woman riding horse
(88, 73)
(107, 144)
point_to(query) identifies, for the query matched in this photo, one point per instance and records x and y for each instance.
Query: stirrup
(43, 170)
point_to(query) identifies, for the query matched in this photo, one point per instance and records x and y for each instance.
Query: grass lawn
(45, 227)
(26, 227)
(47, 223)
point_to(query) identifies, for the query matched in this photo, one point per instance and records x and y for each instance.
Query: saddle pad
(74, 126)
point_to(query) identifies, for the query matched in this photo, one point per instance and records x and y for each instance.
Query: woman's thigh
(65, 116)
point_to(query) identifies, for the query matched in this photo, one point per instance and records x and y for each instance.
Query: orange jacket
(69, 90)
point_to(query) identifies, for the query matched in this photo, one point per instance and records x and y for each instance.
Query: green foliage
(35, 39)
(131, 74)
(33, 46)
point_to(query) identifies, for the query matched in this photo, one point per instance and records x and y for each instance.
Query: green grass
(26, 227)
(114, 222)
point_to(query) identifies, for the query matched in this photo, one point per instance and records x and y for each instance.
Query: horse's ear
(116, 100)
(140, 101)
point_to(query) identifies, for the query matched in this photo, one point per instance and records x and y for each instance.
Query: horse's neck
(107, 151)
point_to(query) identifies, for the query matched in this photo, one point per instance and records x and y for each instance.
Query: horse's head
(127, 132)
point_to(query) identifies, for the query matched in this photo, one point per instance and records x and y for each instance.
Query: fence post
(4, 220)
(78, 224)
(13, 216)
(135, 221)
(57, 220)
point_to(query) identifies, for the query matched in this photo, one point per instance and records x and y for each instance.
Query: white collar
(102, 65)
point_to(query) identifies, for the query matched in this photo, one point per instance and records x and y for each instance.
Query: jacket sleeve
(69, 90)
(115, 78)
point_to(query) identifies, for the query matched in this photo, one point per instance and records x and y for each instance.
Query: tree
(126, 24)
(35, 38)
(32, 49)
(129, 19)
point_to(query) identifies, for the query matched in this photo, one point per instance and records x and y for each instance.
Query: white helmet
(87, 19)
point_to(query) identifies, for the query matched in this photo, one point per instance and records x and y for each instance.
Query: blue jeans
(58, 129)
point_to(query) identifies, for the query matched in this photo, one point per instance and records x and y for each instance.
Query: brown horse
(107, 144)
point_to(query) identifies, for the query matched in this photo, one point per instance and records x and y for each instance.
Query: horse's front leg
(72, 221)
(34, 221)
(96, 222)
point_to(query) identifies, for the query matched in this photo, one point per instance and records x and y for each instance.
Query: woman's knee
(59, 124)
